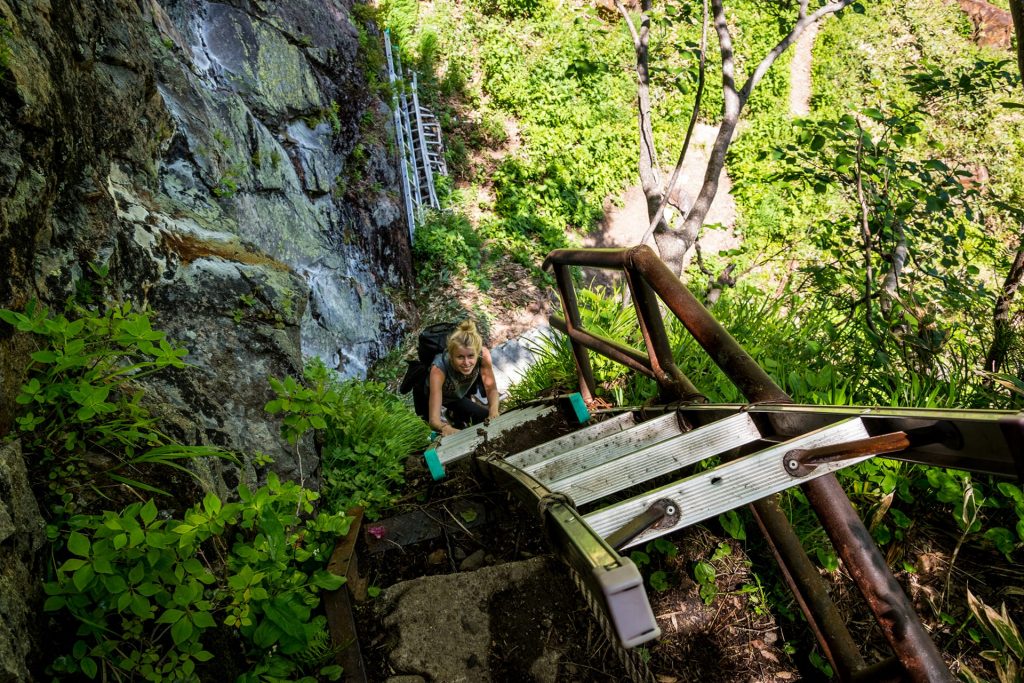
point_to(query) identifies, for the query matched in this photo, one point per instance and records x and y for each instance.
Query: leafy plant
(898, 249)
(366, 431)
(445, 242)
(705, 575)
(148, 593)
(83, 421)
(1003, 636)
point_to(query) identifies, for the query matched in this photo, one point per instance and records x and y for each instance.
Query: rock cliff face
(230, 163)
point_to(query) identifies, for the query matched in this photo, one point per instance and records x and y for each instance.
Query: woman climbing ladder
(455, 375)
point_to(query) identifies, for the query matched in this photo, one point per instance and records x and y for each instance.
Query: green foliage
(366, 435)
(83, 422)
(733, 525)
(445, 244)
(513, 9)
(228, 184)
(149, 593)
(370, 56)
(400, 18)
(705, 574)
(899, 249)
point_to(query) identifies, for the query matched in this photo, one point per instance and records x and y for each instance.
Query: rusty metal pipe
(591, 258)
(808, 588)
(800, 462)
(607, 347)
(892, 609)
(579, 351)
(737, 365)
(673, 383)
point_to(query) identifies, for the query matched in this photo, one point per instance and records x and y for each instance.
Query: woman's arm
(434, 405)
(490, 386)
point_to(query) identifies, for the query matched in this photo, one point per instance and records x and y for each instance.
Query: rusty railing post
(674, 385)
(572, 317)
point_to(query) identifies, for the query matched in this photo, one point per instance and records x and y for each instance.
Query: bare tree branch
(892, 278)
(865, 236)
(1003, 330)
(673, 248)
(656, 218)
(629, 24)
(650, 174)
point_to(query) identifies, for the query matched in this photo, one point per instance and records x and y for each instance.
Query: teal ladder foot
(434, 464)
(578, 409)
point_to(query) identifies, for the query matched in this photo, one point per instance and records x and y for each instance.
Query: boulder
(486, 625)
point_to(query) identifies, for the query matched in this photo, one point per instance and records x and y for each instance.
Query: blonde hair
(467, 336)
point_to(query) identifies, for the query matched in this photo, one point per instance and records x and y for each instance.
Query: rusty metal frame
(648, 277)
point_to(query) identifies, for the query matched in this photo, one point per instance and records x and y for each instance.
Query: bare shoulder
(485, 355)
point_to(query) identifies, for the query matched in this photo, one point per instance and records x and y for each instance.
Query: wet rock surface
(228, 165)
(21, 541)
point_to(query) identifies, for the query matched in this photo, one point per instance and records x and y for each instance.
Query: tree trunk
(675, 245)
(1002, 334)
(1017, 12)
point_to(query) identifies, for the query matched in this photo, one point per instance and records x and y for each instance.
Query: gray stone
(474, 561)
(458, 627)
(513, 358)
(194, 148)
(21, 539)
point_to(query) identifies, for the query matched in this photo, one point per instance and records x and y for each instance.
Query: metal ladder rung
(730, 485)
(462, 443)
(531, 456)
(689, 448)
(611, 448)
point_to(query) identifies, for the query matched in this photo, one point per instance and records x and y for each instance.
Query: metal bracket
(800, 462)
(662, 513)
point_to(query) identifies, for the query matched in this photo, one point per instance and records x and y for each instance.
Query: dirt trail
(800, 73)
(626, 221)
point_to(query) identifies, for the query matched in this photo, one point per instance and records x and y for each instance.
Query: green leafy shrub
(150, 594)
(366, 434)
(84, 426)
(445, 242)
(513, 9)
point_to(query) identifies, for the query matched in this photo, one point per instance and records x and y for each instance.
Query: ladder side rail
(399, 138)
(428, 174)
(407, 140)
(891, 607)
(613, 580)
